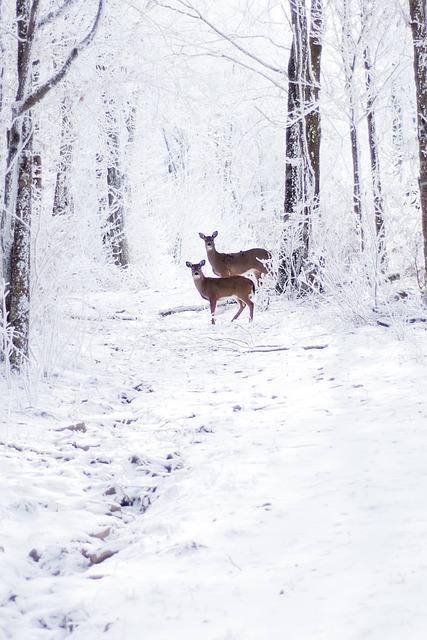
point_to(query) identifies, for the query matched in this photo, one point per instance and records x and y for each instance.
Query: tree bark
(375, 161)
(349, 61)
(21, 182)
(115, 234)
(63, 198)
(19, 299)
(419, 36)
(303, 134)
(313, 123)
(397, 134)
(18, 199)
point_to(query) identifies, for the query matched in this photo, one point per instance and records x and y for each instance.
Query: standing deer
(233, 264)
(213, 289)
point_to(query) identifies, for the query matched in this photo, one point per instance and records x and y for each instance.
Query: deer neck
(200, 282)
(213, 257)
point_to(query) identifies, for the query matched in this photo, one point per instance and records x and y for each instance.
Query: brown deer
(233, 264)
(213, 289)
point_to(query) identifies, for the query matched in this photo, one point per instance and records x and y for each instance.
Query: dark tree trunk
(16, 138)
(419, 36)
(303, 133)
(313, 95)
(19, 299)
(2, 57)
(375, 162)
(115, 232)
(19, 181)
(349, 61)
(357, 189)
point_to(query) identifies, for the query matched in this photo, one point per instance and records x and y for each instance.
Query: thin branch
(241, 64)
(52, 15)
(39, 94)
(196, 15)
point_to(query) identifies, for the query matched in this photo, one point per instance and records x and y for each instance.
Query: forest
(164, 475)
(292, 127)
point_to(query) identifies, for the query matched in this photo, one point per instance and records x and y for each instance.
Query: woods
(287, 126)
(20, 172)
(176, 464)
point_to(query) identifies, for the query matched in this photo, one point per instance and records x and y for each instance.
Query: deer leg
(257, 274)
(213, 307)
(251, 310)
(242, 306)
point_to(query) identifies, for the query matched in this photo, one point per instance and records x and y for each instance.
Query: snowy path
(296, 503)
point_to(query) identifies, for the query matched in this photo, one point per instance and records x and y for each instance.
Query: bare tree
(303, 134)
(109, 167)
(418, 17)
(367, 17)
(349, 49)
(397, 131)
(16, 215)
(115, 235)
(63, 198)
(375, 160)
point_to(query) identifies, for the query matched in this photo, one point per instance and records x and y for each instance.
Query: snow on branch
(55, 13)
(35, 97)
(191, 11)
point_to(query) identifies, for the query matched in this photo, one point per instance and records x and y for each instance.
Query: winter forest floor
(236, 482)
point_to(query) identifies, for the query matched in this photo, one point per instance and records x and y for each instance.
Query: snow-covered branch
(192, 12)
(35, 97)
(55, 13)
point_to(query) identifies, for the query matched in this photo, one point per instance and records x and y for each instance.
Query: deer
(233, 264)
(213, 289)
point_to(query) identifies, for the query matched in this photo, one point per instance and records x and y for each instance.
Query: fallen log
(195, 307)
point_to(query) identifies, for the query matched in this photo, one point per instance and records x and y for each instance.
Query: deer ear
(202, 263)
(202, 235)
(189, 264)
(215, 233)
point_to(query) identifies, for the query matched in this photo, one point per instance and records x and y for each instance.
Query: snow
(229, 482)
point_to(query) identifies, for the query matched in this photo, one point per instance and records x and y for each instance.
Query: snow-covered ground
(232, 482)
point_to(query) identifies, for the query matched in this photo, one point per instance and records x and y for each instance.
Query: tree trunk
(419, 35)
(397, 134)
(302, 165)
(19, 299)
(115, 234)
(2, 57)
(375, 162)
(357, 189)
(313, 124)
(349, 62)
(18, 197)
(63, 198)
